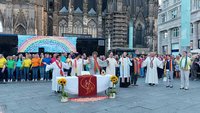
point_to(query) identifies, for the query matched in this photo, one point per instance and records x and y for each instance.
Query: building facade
(109, 19)
(23, 17)
(141, 14)
(169, 26)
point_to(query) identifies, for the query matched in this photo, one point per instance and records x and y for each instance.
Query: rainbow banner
(28, 43)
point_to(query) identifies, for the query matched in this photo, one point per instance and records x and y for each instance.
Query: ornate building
(140, 14)
(121, 21)
(23, 17)
(76, 17)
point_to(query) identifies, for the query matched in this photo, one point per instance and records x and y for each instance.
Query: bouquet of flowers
(112, 90)
(64, 95)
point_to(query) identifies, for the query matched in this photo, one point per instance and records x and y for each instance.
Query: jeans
(41, 71)
(46, 75)
(26, 73)
(35, 73)
(10, 73)
(142, 72)
(18, 73)
(169, 75)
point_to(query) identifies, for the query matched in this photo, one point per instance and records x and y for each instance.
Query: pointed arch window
(92, 28)
(62, 27)
(77, 29)
(20, 30)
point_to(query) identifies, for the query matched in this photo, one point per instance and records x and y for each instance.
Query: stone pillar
(185, 25)
(99, 7)
(85, 16)
(55, 18)
(70, 17)
(131, 34)
(195, 35)
(169, 38)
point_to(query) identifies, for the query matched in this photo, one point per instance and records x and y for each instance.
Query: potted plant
(112, 90)
(64, 95)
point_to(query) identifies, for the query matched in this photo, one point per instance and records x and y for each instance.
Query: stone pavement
(37, 97)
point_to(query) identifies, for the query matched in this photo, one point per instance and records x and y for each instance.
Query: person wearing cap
(2, 67)
(185, 64)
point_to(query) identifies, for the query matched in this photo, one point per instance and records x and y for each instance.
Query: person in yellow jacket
(2, 67)
(185, 64)
(26, 64)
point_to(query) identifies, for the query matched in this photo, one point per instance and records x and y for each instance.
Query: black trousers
(124, 84)
(2, 75)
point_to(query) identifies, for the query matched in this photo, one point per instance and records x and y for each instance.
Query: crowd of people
(34, 67)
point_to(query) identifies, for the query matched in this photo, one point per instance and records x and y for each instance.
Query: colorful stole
(123, 80)
(186, 63)
(96, 66)
(75, 65)
(60, 67)
(151, 63)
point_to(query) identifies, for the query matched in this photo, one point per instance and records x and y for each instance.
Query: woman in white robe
(56, 71)
(152, 63)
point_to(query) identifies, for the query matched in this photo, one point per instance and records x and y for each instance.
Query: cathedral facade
(123, 22)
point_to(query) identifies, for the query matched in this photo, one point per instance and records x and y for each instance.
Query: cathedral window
(77, 28)
(92, 29)
(62, 27)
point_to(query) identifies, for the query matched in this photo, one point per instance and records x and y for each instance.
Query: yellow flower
(62, 81)
(114, 79)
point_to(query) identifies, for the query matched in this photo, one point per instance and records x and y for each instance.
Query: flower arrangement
(64, 95)
(112, 90)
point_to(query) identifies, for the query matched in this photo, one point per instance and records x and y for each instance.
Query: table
(103, 83)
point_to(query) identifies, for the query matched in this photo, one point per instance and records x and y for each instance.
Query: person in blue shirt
(63, 57)
(19, 67)
(46, 60)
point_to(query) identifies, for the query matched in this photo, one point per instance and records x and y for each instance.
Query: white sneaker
(27, 79)
(15, 80)
(10, 80)
(41, 79)
(35, 79)
(4, 80)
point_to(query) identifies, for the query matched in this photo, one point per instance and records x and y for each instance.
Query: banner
(185, 23)
(28, 43)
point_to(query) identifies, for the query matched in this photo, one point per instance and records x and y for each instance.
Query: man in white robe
(152, 62)
(58, 71)
(96, 64)
(125, 64)
(112, 64)
(77, 65)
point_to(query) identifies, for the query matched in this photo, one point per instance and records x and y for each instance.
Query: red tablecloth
(87, 85)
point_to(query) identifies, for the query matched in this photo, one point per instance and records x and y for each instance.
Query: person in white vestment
(152, 62)
(57, 68)
(77, 65)
(125, 64)
(96, 63)
(112, 64)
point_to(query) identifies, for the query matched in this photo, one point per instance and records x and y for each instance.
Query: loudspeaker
(41, 50)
